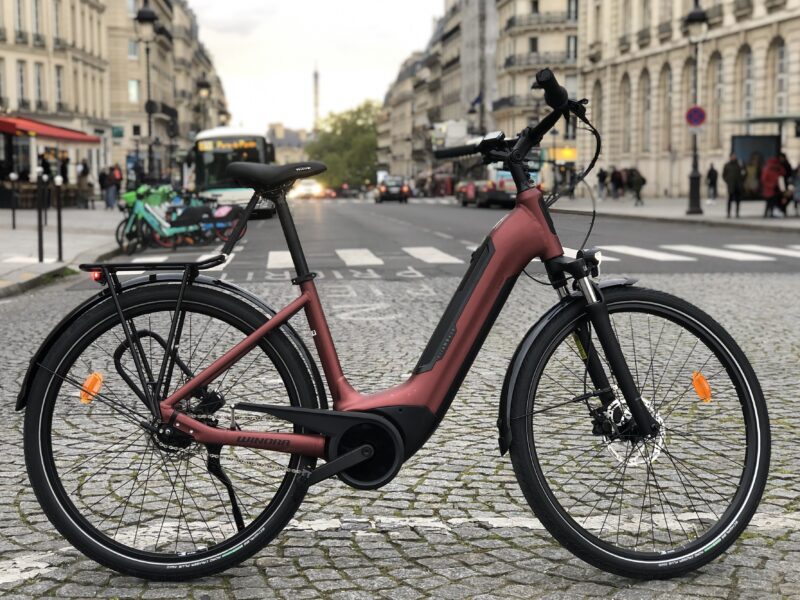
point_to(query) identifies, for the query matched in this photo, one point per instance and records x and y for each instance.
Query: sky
(265, 52)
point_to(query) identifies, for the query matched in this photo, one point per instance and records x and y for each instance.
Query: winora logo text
(246, 439)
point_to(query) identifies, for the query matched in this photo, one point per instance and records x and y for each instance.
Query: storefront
(23, 141)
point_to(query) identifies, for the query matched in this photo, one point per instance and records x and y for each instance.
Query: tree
(346, 142)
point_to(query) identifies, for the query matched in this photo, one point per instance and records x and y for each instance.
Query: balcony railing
(451, 98)
(643, 37)
(38, 40)
(742, 8)
(23, 104)
(539, 59)
(513, 102)
(62, 107)
(664, 31)
(2, 34)
(545, 18)
(41, 105)
(21, 37)
(714, 15)
(774, 4)
(59, 43)
(624, 43)
(3, 102)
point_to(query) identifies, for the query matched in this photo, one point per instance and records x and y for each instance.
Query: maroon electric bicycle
(174, 422)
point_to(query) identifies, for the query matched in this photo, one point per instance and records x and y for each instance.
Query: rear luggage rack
(210, 263)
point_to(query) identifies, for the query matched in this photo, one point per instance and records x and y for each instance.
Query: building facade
(535, 35)
(290, 144)
(638, 70)
(54, 67)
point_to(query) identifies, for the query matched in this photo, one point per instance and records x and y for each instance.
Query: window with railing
(572, 46)
(647, 112)
(37, 16)
(59, 85)
(572, 10)
(646, 15)
(717, 95)
(38, 71)
(19, 15)
(133, 49)
(747, 83)
(56, 18)
(21, 68)
(781, 79)
(133, 91)
(665, 93)
(535, 7)
(625, 105)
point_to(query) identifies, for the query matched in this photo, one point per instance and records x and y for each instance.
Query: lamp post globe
(13, 176)
(695, 26)
(145, 23)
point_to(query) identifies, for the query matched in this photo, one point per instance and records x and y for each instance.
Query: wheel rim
(170, 510)
(673, 495)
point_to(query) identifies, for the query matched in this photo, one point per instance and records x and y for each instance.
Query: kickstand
(215, 468)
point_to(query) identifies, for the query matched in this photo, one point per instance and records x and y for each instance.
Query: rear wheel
(132, 500)
(649, 508)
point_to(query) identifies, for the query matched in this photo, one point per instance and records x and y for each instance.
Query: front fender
(58, 330)
(504, 417)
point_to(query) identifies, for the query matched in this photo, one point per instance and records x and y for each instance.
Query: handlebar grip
(456, 151)
(554, 94)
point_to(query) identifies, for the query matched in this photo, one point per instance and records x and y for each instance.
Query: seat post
(292, 239)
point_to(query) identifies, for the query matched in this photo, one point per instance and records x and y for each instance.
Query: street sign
(695, 116)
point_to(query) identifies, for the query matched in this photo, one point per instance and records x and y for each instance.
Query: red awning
(19, 125)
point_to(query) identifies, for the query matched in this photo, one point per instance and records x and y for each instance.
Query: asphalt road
(346, 239)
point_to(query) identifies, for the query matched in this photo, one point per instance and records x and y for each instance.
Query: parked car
(393, 188)
(498, 189)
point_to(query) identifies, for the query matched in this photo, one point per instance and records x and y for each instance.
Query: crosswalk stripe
(279, 259)
(358, 257)
(796, 247)
(645, 253)
(573, 253)
(431, 255)
(766, 249)
(718, 253)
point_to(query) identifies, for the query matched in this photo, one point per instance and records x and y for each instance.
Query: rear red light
(502, 185)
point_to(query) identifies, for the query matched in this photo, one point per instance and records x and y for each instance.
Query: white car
(307, 188)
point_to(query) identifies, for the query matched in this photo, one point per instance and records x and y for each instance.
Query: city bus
(214, 149)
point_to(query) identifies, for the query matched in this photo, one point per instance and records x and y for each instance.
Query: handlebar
(555, 95)
(456, 151)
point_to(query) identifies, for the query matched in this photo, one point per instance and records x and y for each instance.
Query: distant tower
(316, 98)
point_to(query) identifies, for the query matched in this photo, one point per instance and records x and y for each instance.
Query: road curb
(62, 270)
(731, 224)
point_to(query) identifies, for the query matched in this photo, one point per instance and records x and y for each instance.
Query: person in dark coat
(733, 176)
(711, 182)
(771, 177)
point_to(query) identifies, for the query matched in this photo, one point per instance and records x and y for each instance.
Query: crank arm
(342, 463)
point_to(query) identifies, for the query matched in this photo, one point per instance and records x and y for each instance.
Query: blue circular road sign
(695, 116)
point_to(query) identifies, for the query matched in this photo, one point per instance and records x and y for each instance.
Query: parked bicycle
(192, 220)
(174, 422)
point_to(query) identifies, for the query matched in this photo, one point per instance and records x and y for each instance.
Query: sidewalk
(674, 210)
(88, 235)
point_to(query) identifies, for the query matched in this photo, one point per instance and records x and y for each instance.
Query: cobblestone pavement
(454, 523)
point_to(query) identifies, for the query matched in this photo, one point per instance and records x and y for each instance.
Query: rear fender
(504, 417)
(22, 398)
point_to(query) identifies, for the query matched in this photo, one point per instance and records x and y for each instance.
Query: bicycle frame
(525, 233)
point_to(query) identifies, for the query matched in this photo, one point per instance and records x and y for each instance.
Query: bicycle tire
(47, 453)
(556, 497)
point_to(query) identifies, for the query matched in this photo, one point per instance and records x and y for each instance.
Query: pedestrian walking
(84, 194)
(602, 177)
(733, 176)
(711, 182)
(63, 169)
(771, 187)
(103, 181)
(616, 182)
(636, 181)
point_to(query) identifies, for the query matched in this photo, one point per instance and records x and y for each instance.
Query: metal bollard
(58, 180)
(14, 178)
(39, 201)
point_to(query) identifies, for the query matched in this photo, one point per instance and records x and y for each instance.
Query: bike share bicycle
(174, 422)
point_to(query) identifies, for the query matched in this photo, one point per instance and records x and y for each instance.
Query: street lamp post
(145, 21)
(203, 92)
(695, 25)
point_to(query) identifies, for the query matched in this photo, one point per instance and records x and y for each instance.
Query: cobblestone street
(454, 523)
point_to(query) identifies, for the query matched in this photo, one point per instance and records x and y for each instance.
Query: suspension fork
(597, 310)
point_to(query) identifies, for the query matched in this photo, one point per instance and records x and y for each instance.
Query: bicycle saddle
(269, 177)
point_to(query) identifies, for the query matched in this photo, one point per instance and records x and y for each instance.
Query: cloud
(238, 17)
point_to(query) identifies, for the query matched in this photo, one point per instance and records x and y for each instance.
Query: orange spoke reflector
(91, 387)
(701, 386)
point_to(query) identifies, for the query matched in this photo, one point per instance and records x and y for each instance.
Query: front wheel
(654, 507)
